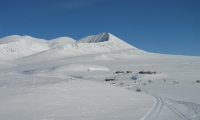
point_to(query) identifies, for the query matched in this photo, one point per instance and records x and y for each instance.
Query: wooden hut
(147, 72)
(129, 71)
(109, 79)
(119, 72)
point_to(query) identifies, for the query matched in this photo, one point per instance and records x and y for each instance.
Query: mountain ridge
(15, 46)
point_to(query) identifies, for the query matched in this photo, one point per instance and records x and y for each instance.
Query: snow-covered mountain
(104, 42)
(107, 40)
(14, 47)
(98, 38)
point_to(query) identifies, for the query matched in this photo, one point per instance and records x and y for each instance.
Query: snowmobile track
(156, 110)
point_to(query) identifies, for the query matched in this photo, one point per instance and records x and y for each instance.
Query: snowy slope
(60, 41)
(51, 98)
(13, 47)
(107, 38)
(95, 38)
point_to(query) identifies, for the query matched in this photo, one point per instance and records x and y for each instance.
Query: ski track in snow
(193, 109)
(156, 110)
(177, 112)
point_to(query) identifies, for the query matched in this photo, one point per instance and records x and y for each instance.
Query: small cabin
(119, 72)
(109, 79)
(147, 72)
(129, 71)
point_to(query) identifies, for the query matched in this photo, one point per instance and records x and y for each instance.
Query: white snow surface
(66, 81)
(60, 41)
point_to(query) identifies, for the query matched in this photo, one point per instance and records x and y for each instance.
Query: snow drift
(60, 41)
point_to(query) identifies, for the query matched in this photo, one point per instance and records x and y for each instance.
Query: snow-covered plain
(64, 79)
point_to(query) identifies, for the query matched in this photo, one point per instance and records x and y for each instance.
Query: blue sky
(160, 26)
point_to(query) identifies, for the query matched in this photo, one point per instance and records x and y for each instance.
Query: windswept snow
(103, 57)
(60, 41)
(95, 38)
(81, 67)
(108, 39)
(39, 98)
(77, 69)
(65, 79)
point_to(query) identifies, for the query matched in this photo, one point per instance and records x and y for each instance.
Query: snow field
(31, 97)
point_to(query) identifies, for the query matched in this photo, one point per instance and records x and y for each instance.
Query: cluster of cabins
(141, 72)
(122, 72)
(118, 72)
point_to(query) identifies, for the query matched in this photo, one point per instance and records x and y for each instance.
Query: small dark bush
(138, 90)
